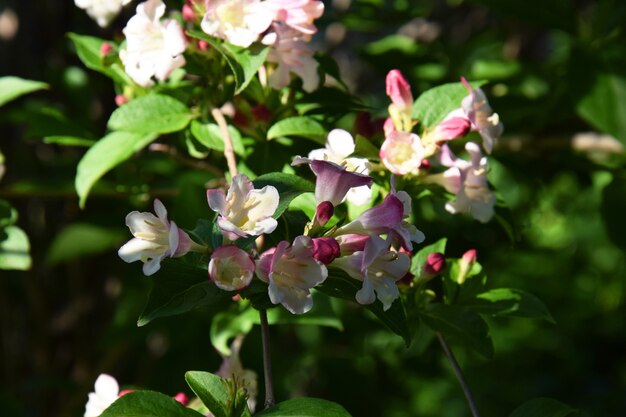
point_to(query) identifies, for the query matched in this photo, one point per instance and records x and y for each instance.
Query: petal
(138, 249)
(217, 200)
(340, 143)
(107, 387)
(152, 266)
(173, 239)
(264, 202)
(366, 294)
(160, 210)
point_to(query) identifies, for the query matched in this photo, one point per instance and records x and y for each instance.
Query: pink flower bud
(324, 212)
(188, 14)
(399, 90)
(470, 256)
(124, 392)
(181, 398)
(425, 165)
(435, 262)
(105, 49)
(325, 249)
(203, 45)
(120, 100)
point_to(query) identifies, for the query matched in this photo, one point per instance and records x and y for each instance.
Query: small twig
(173, 152)
(459, 375)
(229, 154)
(267, 359)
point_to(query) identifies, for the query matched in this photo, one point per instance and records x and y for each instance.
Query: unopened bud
(470, 256)
(105, 49)
(124, 392)
(261, 113)
(121, 99)
(465, 266)
(203, 45)
(182, 398)
(188, 14)
(399, 90)
(324, 212)
(325, 249)
(435, 262)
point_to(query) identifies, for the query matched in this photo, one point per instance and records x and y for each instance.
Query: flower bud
(324, 212)
(120, 100)
(435, 262)
(231, 268)
(325, 249)
(124, 392)
(182, 398)
(188, 14)
(105, 49)
(399, 90)
(465, 266)
(470, 256)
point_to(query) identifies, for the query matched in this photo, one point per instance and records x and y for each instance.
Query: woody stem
(267, 359)
(229, 153)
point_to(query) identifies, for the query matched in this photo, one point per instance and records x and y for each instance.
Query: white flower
(153, 48)
(339, 146)
(402, 152)
(298, 15)
(102, 11)
(244, 211)
(106, 391)
(240, 22)
(155, 239)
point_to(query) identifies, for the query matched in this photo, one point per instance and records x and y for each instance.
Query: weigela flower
(455, 125)
(232, 368)
(231, 268)
(102, 11)
(153, 48)
(291, 272)
(434, 264)
(339, 146)
(333, 181)
(244, 211)
(401, 107)
(155, 238)
(239, 22)
(402, 152)
(106, 391)
(296, 14)
(481, 116)
(378, 268)
(325, 249)
(291, 53)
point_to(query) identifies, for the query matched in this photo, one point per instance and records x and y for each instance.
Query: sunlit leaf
(82, 239)
(154, 113)
(288, 186)
(14, 249)
(147, 404)
(509, 302)
(14, 87)
(211, 390)
(305, 407)
(303, 126)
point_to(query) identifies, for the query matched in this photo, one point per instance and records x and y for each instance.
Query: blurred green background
(557, 79)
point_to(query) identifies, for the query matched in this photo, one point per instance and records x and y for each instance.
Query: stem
(229, 154)
(267, 359)
(459, 375)
(173, 152)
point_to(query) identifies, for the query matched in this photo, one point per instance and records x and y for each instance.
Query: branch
(267, 359)
(173, 152)
(229, 154)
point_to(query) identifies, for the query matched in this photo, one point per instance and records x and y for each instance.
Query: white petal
(340, 143)
(366, 294)
(138, 249)
(152, 266)
(160, 210)
(217, 200)
(107, 387)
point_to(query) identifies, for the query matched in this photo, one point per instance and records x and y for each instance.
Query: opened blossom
(106, 391)
(244, 211)
(296, 14)
(339, 146)
(291, 271)
(379, 268)
(155, 238)
(482, 117)
(239, 22)
(402, 152)
(153, 48)
(231, 268)
(102, 11)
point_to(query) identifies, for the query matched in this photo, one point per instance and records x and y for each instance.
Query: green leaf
(543, 407)
(106, 154)
(433, 105)
(68, 141)
(243, 62)
(605, 105)
(365, 149)
(147, 404)
(340, 285)
(288, 186)
(14, 87)
(305, 407)
(227, 325)
(209, 135)
(8, 214)
(178, 288)
(82, 239)
(153, 113)
(419, 258)
(211, 390)
(461, 324)
(509, 302)
(88, 50)
(613, 208)
(14, 249)
(298, 126)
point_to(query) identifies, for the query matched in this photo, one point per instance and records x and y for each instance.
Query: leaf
(8, 214)
(419, 259)
(305, 407)
(543, 407)
(433, 105)
(106, 154)
(82, 239)
(340, 285)
(153, 113)
(605, 105)
(179, 288)
(509, 302)
(211, 390)
(460, 323)
(14, 249)
(288, 186)
(243, 62)
(68, 141)
(613, 208)
(209, 135)
(365, 149)
(147, 404)
(88, 50)
(14, 87)
(298, 126)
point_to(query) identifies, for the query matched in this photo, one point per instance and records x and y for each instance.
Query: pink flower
(291, 272)
(454, 126)
(155, 238)
(297, 14)
(325, 249)
(231, 268)
(333, 181)
(350, 243)
(239, 22)
(402, 152)
(435, 262)
(401, 107)
(482, 117)
(378, 268)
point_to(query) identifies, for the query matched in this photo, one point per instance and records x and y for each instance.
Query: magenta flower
(325, 249)
(231, 268)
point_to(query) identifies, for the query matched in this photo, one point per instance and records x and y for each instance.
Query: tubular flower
(481, 116)
(333, 181)
(153, 48)
(298, 15)
(106, 391)
(291, 272)
(378, 268)
(402, 152)
(231, 268)
(102, 11)
(155, 238)
(244, 211)
(339, 146)
(239, 22)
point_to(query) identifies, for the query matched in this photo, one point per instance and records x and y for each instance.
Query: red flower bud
(105, 49)
(325, 249)
(435, 262)
(324, 212)
(181, 398)
(399, 90)
(188, 14)
(120, 99)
